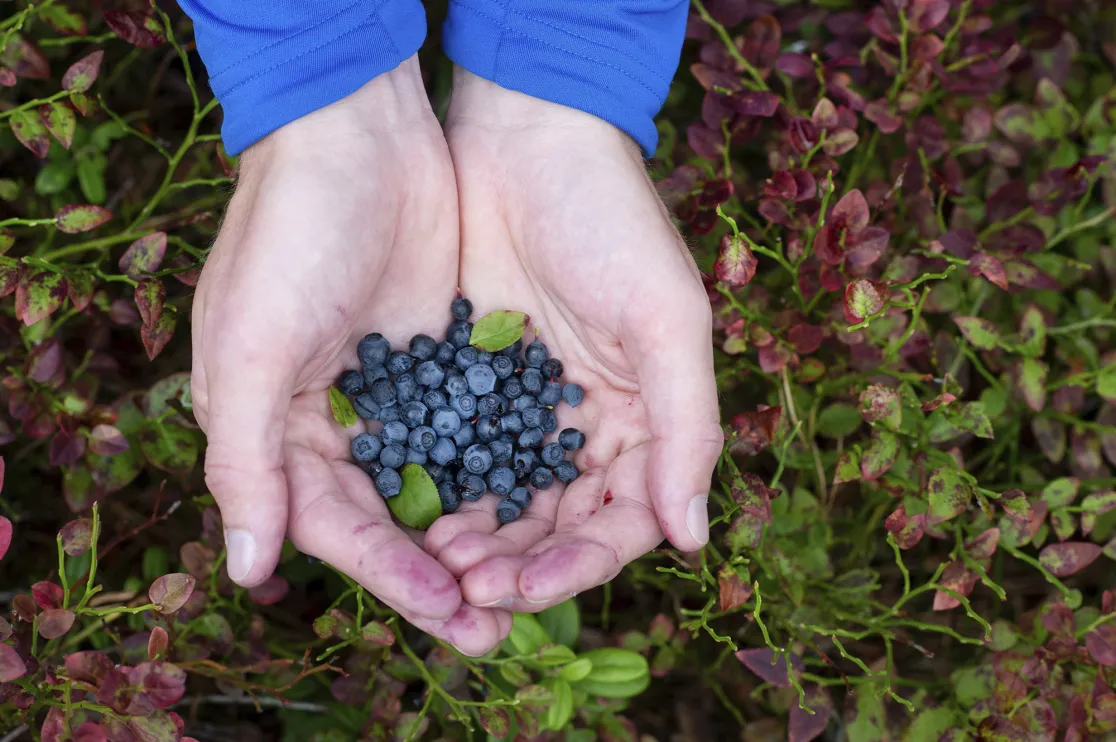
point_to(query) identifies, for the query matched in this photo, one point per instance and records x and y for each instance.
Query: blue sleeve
(611, 58)
(272, 61)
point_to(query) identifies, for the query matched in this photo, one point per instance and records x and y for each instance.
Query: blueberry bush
(904, 210)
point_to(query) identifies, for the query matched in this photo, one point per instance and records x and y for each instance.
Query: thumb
(673, 358)
(248, 397)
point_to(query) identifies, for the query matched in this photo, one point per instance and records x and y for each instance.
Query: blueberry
(459, 332)
(566, 471)
(513, 350)
(461, 308)
(512, 388)
(443, 451)
(488, 429)
(366, 406)
(542, 478)
(491, 404)
(447, 493)
(395, 432)
(472, 487)
(423, 347)
(484, 358)
(503, 366)
(351, 383)
(465, 358)
(552, 368)
(399, 362)
(366, 447)
(551, 394)
(521, 496)
(423, 439)
(501, 480)
(388, 414)
(416, 457)
(389, 483)
(464, 405)
(571, 439)
(414, 414)
(525, 462)
(548, 421)
(445, 421)
(532, 380)
(553, 454)
(573, 394)
(512, 423)
(430, 374)
(532, 417)
(507, 511)
(501, 449)
(525, 402)
(477, 458)
(393, 456)
(373, 468)
(383, 391)
(455, 384)
(481, 378)
(465, 436)
(407, 389)
(372, 374)
(536, 354)
(530, 438)
(373, 350)
(445, 353)
(437, 472)
(434, 399)
(461, 476)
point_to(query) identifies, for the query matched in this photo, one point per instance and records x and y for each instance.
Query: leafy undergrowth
(905, 211)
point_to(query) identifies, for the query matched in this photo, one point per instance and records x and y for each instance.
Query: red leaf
(736, 264)
(162, 682)
(774, 358)
(781, 184)
(155, 337)
(106, 440)
(10, 276)
(7, 77)
(897, 521)
(66, 448)
(1069, 558)
(77, 536)
(47, 594)
(79, 287)
(803, 135)
(26, 59)
(755, 430)
(880, 455)
(956, 577)
(149, 296)
(89, 667)
(55, 622)
(866, 248)
(755, 103)
(270, 591)
(839, 142)
(89, 731)
(805, 338)
(705, 142)
(880, 114)
(984, 545)
(1101, 644)
(144, 255)
(753, 496)
(912, 532)
(29, 130)
(170, 592)
(39, 295)
(759, 662)
(83, 72)
(938, 401)
(795, 65)
(802, 726)
(862, 299)
(157, 643)
(75, 218)
(377, 633)
(54, 726)
(852, 210)
(137, 28)
(5, 534)
(926, 15)
(11, 664)
(734, 592)
(825, 115)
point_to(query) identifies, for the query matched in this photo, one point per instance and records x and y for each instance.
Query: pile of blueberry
(476, 421)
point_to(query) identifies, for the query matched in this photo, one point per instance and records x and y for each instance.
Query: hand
(344, 222)
(559, 220)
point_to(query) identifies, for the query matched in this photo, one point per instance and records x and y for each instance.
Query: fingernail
(505, 602)
(551, 599)
(241, 547)
(697, 519)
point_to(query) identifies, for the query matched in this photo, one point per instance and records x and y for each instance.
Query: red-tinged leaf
(753, 496)
(984, 545)
(1101, 644)
(774, 211)
(89, 731)
(848, 467)
(150, 294)
(12, 666)
(25, 59)
(145, 255)
(377, 633)
(796, 65)
(939, 401)
(66, 448)
(82, 73)
(754, 431)
(736, 264)
(29, 130)
(926, 15)
(862, 299)
(802, 134)
(5, 535)
(824, 115)
(47, 595)
(759, 661)
(956, 577)
(774, 358)
(733, 590)
(60, 121)
(162, 682)
(137, 28)
(54, 726)
(912, 532)
(755, 103)
(880, 455)
(155, 727)
(106, 440)
(76, 218)
(1060, 492)
(867, 247)
(77, 536)
(157, 643)
(1032, 383)
(24, 607)
(839, 142)
(927, 47)
(82, 103)
(170, 592)
(880, 114)
(270, 591)
(44, 363)
(980, 333)
(10, 275)
(983, 264)
(7, 77)
(155, 337)
(803, 726)
(897, 521)
(745, 533)
(39, 295)
(1016, 505)
(55, 622)
(1099, 502)
(1063, 523)
(1068, 558)
(949, 494)
(805, 338)
(89, 667)
(495, 721)
(79, 287)
(1017, 533)
(852, 210)
(1025, 274)
(881, 404)
(705, 142)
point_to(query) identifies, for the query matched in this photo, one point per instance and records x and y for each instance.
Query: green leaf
(60, 121)
(930, 725)
(562, 622)
(418, 504)
(91, 177)
(1106, 383)
(342, 408)
(1061, 492)
(1032, 382)
(527, 635)
(497, 330)
(616, 673)
(880, 455)
(559, 713)
(29, 130)
(869, 724)
(76, 218)
(169, 447)
(54, 177)
(1032, 333)
(576, 670)
(972, 417)
(838, 420)
(64, 20)
(848, 467)
(555, 654)
(979, 332)
(495, 721)
(949, 495)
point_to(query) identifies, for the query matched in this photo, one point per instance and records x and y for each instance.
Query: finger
(338, 518)
(673, 356)
(470, 517)
(472, 631)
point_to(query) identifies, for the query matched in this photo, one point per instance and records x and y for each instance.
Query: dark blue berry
(416, 457)
(526, 402)
(571, 439)
(423, 347)
(389, 483)
(437, 472)
(552, 454)
(430, 374)
(445, 353)
(573, 394)
(459, 332)
(532, 418)
(434, 399)
(548, 421)
(443, 451)
(465, 436)
(461, 308)
(373, 350)
(488, 429)
(484, 357)
(566, 471)
(481, 378)
(462, 473)
(477, 458)
(507, 511)
(525, 462)
(531, 438)
(521, 496)
(466, 358)
(472, 487)
(366, 447)
(399, 362)
(393, 456)
(513, 350)
(383, 391)
(512, 388)
(491, 404)
(532, 380)
(351, 383)
(447, 493)
(551, 394)
(414, 414)
(536, 354)
(445, 421)
(366, 406)
(372, 374)
(501, 480)
(388, 414)
(552, 369)
(464, 405)
(503, 366)
(407, 389)
(395, 432)
(502, 449)
(542, 478)
(512, 423)
(423, 438)
(373, 467)
(455, 384)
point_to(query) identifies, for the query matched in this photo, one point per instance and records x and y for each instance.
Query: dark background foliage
(904, 209)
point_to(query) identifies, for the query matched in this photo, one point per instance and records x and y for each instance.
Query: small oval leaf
(170, 592)
(11, 664)
(29, 130)
(81, 74)
(418, 504)
(342, 408)
(55, 622)
(144, 255)
(497, 330)
(75, 218)
(1069, 558)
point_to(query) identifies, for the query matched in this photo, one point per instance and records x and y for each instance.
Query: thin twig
(14, 734)
(259, 701)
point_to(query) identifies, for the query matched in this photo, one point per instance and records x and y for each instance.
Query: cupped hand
(559, 220)
(344, 222)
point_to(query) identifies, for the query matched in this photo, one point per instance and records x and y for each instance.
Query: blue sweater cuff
(613, 59)
(271, 62)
